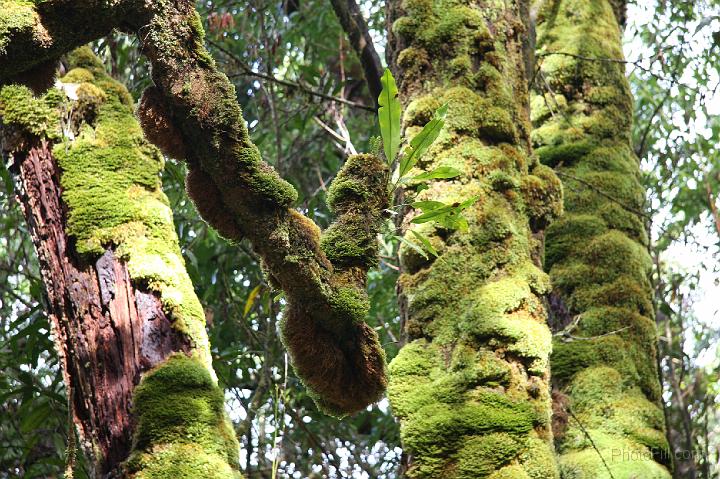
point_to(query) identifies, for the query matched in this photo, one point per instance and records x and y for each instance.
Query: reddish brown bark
(106, 329)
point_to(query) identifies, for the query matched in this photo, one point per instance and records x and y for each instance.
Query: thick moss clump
(21, 110)
(15, 16)
(182, 430)
(597, 253)
(471, 387)
(340, 359)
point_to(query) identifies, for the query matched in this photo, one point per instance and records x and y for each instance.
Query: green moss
(180, 410)
(538, 460)
(347, 189)
(509, 472)
(20, 109)
(473, 377)
(358, 195)
(15, 16)
(111, 184)
(78, 75)
(596, 253)
(349, 244)
(350, 303)
(481, 455)
(182, 461)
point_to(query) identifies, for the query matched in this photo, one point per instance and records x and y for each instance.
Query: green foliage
(421, 142)
(389, 116)
(447, 216)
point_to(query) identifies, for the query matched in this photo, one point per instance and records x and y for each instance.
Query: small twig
(329, 130)
(582, 428)
(606, 195)
(589, 338)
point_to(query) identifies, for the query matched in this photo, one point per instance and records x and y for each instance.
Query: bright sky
(704, 255)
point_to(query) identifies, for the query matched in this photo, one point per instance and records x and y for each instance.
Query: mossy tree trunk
(471, 386)
(122, 307)
(604, 362)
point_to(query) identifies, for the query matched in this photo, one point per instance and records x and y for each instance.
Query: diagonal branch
(352, 21)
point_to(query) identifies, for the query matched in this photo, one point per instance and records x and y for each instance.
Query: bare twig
(247, 71)
(582, 428)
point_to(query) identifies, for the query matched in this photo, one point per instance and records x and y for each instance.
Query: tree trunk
(471, 388)
(122, 307)
(604, 363)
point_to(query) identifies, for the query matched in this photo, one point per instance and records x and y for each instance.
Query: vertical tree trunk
(471, 388)
(604, 364)
(121, 304)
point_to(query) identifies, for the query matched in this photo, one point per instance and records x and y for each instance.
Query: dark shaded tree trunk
(106, 330)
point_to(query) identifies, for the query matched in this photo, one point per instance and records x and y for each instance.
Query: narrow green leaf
(428, 205)
(467, 203)
(389, 116)
(443, 172)
(413, 246)
(431, 215)
(422, 141)
(425, 242)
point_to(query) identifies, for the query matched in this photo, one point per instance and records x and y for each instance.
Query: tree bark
(471, 388)
(122, 308)
(604, 359)
(106, 330)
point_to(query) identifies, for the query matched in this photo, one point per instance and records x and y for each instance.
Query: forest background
(304, 96)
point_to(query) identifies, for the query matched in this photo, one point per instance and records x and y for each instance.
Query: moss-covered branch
(193, 114)
(597, 253)
(36, 32)
(472, 386)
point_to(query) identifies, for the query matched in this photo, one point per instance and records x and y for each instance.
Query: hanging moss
(597, 253)
(471, 386)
